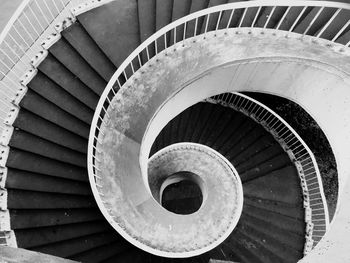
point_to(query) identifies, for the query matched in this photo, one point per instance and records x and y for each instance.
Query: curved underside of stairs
(51, 206)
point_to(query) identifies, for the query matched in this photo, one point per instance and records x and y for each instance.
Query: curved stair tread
(22, 180)
(38, 105)
(28, 238)
(99, 254)
(30, 162)
(79, 38)
(47, 130)
(45, 87)
(32, 218)
(281, 185)
(289, 239)
(260, 169)
(287, 223)
(69, 248)
(293, 211)
(31, 143)
(114, 27)
(23, 199)
(76, 64)
(63, 77)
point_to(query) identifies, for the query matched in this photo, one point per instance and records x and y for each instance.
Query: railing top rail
(204, 12)
(13, 19)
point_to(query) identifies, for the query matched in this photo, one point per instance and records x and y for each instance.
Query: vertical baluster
(283, 17)
(41, 11)
(30, 23)
(270, 16)
(340, 31)
(313, 21)
(230, 19)
(26, 30)
(242, 18)
(48, 8)
(256, 17)
(218, 22)
(156, 46)
(329, 22)
(184, 34)
(206, 25)
(297, 20)
(16, 42)
(195, 27)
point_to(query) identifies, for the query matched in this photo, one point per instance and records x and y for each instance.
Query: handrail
(21, 40)
(299, 153)
(178, 31)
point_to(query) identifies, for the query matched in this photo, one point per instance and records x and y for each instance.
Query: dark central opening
(183, 197)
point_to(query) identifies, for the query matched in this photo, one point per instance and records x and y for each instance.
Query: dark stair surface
(50, 201)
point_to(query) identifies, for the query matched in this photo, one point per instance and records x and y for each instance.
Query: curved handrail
(21, 40)
(169, 35)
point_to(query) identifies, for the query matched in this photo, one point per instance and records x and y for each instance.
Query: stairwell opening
(182, 193)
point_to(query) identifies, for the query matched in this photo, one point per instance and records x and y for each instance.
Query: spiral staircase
(128, 91)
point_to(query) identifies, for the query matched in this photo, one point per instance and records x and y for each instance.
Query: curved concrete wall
(312, 74)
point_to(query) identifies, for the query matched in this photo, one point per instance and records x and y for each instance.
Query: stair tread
(114, 27)
(77, 36)
(22, 180)
(32, 218)
(76, 64)
(42, 128)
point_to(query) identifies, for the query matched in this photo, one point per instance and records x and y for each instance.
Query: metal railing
(316, 210)
(326, 22)
(21, 40)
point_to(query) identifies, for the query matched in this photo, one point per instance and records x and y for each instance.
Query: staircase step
(74, 246)
(32, 218)
(296, 212)
(266, 13)
(322, 19)
(31, 143)
(196, 5)
(114, 27)
(236, 121)
(239, 133)
(57, 72)
(210, 25)
(261, 144)
(102, 253)
(20, 199)
(279, 221)
(214, 120)
(18, 179)
(266, 247)
(78, 37)
(260, 169)
(76, 64)
(203, 120)
(245, 141)
(48, 89)
(38, 105)
(180, 9)
(130, 255)
(235, 18)
(291, 16)
(42, 128)
(164, 12)
(281, 185)
(29, 238)
(30, 162)
(191, 126)
(265, 229)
